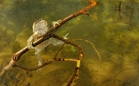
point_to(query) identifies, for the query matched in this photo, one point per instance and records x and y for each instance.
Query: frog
(40, 28)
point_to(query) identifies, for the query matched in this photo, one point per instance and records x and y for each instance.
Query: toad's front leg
(29, 42)
(54, 23)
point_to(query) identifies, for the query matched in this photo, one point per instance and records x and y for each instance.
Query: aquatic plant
(73, 49)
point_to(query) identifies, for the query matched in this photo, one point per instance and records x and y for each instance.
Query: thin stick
(59, 51)
(75, 74)
(119, 9)
(92, 46)
(132, 10)
(33, 69)
(92, 16)
(44, 64)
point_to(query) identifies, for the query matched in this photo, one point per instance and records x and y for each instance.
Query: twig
(59, 51)
(33, 69)
(92, 16)
(75, 74)
(132, 10)
(48, 35)
(92, 46)
(7, 67)
(119, 9)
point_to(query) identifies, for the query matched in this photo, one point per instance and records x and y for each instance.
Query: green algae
(73, 49)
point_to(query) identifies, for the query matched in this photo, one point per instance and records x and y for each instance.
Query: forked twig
(48, 35)
(75, 74)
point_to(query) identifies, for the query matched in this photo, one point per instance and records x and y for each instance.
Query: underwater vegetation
(112, 26)
(73, 49)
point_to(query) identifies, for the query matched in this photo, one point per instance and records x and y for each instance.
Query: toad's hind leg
(39, 49)
(39, 59)
(37, 53)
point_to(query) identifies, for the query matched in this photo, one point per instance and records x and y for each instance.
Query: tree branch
(48, 35)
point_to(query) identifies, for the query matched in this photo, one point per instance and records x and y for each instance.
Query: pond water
(112, 28)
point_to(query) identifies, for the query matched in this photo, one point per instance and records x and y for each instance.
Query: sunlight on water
(116, 39)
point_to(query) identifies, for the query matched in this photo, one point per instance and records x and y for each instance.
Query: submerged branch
(33, 69)
(48, 35)
(7, 67)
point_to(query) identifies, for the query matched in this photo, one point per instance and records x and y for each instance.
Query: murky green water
(116, 40)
